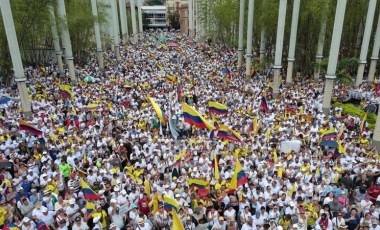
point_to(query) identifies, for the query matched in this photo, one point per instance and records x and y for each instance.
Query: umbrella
(89, 79)
(5, 164)
(162, 38)
(4, 100)
(329, 143)
(172, 45)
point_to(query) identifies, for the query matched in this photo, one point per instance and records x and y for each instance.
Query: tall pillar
(365, 42)
(66, 40)
(248, 59)
(111, 32)
(99, 50)
(190, 6)
(123, 20)
(279, 45)
(196, 19)
(293, 39)
(375, 54)
(116, 31)
(263, 42)
(139, 11)
(321, 42)
(376, 133)
(241, 33)
(133, 16)
(334, 52)
(14, 49)
(57, 46)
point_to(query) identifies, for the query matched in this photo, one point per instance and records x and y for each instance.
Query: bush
(357, 112)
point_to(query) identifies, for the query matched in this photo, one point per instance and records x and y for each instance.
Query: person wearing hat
(248, 225)
(46, 216)
(141, 225)
(96, 221)
(113, 227)
(72, 209)
(28, 224)
(219, 225)
(161, 217)
(79, 224)
(189, 225)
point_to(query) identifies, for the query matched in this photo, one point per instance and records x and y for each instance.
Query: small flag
(177, 223)
(239, 177)
(23, 125)
(264, 104)
(363, 123)
(170, 203)
(160, 113)
(88, 193)
(218, 108)
(90, 207)
(216, 168)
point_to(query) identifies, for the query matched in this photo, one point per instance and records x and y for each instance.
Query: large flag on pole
(88, 193)
(193, 117)
(177, 223)
(23, 125)
(160, 113)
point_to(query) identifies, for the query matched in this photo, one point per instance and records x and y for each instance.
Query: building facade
(156, 15)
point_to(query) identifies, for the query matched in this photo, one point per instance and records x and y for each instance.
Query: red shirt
(143, 204)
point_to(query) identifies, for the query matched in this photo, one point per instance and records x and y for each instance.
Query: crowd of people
(108, 137)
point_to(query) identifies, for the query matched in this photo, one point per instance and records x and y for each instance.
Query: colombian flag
(88, 193)
(362, 123)
(66, 92)
(329, 134)
(23, 125)
(170, 203)
(177, 223)
(179, 157)
(264, 104)
(239, 177)
(160, 113)
(215, 107)
(216, 168)
(171, 78)
(198, 183)
(194, 118)
(227, 133)
(90, 207)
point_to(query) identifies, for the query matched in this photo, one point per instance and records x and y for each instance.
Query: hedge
(353, 110)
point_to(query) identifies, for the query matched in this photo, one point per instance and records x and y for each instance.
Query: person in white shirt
(249, 224)
(219, 225)
(47, 216)
(79, 224)
(141, 225)
(230, 213)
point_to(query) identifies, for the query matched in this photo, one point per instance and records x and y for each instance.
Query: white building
(156, 16)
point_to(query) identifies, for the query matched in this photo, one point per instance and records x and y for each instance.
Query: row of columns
(66, 41)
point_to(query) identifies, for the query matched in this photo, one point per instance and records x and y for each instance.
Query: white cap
(72, 201)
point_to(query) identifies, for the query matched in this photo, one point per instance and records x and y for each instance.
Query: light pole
(279, 46)
(334, 52)
(66, 40)
(14, 49)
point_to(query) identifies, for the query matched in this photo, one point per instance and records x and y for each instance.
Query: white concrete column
(123, 20)
(248, 59)
(57, 46)
(110, 25)
(293, 39)
(375, 54)
(196, 19)
(139, 11)
(376, 133)
(334, 52)
(14, 49)
(66, 40)
(191, 29)
(263, 42)
(321, 42)
(99, 50)
(279, 46)
(133, 16)
(365, 42)
(116, 30)
(241, 33)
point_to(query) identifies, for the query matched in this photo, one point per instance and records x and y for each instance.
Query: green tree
(345, 70)
(155, 2)
(173, 17)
